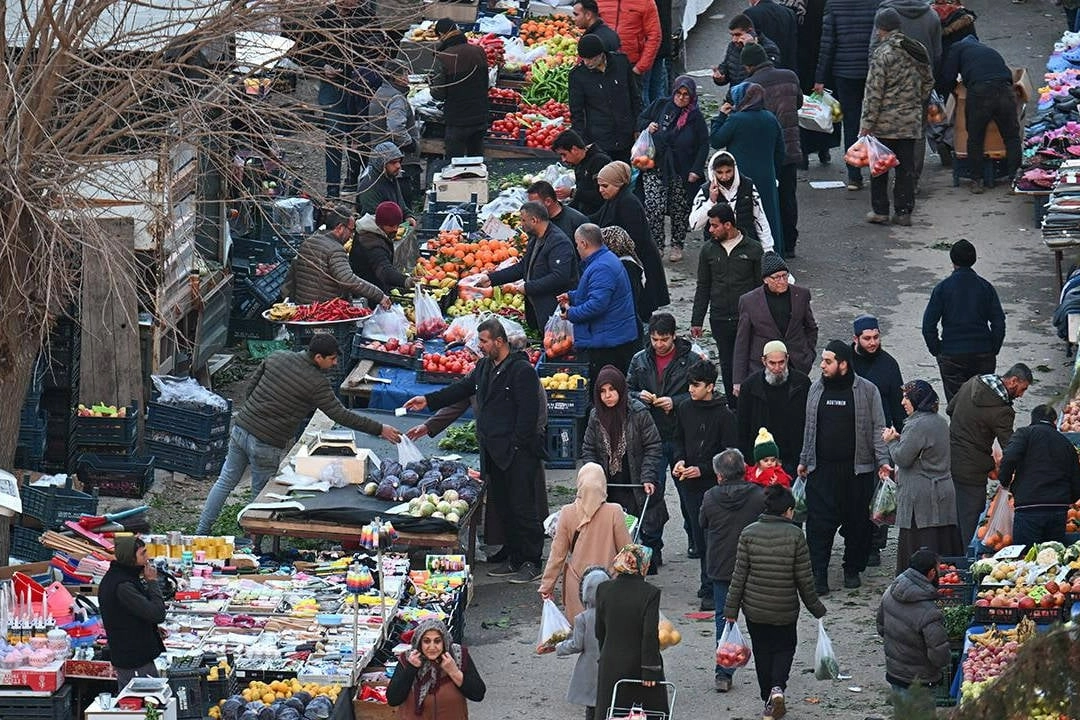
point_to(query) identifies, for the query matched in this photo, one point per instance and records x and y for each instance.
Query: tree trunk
(19, 344)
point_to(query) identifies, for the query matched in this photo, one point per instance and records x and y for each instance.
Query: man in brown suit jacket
(777, 310)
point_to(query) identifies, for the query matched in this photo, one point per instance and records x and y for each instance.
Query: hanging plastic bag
(667, 634)
(407, 452)
(554, 628)
(825, 665)
(798, 491)
(881, 157)
(815, 114)
(462, 329)
(732, 651)
(643, 152)
(386, 324)
(999, 524)
(451, 222)
(883, 504)
(558, 336)
(469, 290)
(935, 109)
(429, 319)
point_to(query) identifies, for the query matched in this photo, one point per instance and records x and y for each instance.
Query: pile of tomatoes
(504, 96)
(452, 362)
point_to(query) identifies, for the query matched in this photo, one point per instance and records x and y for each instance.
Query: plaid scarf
(993, 382)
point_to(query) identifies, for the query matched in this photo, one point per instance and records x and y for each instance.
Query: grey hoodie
(919, 22)
(910, 622)
(582, 690)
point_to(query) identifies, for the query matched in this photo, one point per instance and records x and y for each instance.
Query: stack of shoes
(1061, 224)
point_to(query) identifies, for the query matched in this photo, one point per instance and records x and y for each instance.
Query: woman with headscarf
(627, 617)
(753, 136)
(619, 242)
(622, 439)
(590, 531)
(621, 207)
(680, 137)
(435, 677)
(925, 496)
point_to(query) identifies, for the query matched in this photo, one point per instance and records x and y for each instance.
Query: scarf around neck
(429, 673)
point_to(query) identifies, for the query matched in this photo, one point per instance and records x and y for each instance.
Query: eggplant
(409, 493)
(409, 477)
(391, 467)
(385, 492)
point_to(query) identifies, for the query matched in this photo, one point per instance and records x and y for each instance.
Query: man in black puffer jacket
(460, 80)
(909, 620)
(604, 104)
(1039, 465)
(131, 610)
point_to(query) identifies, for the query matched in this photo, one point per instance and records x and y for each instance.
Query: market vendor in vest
(131, 610)
(738, 191)
(434, 677)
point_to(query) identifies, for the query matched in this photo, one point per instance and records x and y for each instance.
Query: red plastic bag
(732, 651)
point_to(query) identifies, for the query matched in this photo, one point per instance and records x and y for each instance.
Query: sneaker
(776, 699)
(704, 592)
(873, 559)
(529, 572)
(821, 584)
(767, 714)
(853, 184)
(851, 580)
(722, 684)
(676, 255)
(500, 557)
(877, 218)
(903, 219)
(824, 157)
(505, 569)
(708, 605)
(976, 187)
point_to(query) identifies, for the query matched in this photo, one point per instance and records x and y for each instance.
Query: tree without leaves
(89, 85)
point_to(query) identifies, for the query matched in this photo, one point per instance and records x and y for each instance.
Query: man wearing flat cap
(972, 322)
(604, 101)
(842, 448)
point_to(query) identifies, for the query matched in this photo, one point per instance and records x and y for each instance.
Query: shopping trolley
(636, 712)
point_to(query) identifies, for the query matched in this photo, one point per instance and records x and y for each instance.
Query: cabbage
(287, 712)
(232, 707)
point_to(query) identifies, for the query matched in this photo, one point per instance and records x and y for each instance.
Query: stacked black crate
(47, 508)
(188, 437)
(30, 446)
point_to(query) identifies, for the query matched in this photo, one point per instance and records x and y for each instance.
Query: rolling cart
(636, 712)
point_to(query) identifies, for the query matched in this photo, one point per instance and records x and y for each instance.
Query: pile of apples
(1049, 595)
(986, 662)
(394, 345)
(1070, 416)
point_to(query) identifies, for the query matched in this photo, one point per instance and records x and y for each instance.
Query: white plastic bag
(407, 451)
(554, 628)
(825, 665)
(816, 113)
(386, 324)
(450, 223)
(798, 491)
(883, 504)
(732, 650)
(498, 24)
(429, 319)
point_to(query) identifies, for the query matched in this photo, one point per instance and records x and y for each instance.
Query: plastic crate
(199, 465)
(192, 694)
(180, 442)
(942, 691)
(562, 443)
(116, 451)
(567, 403)
(998, 615)
(382, 357)
(248, 247)
(267, 288)
(954, 594)
(250, 328)
(494, 137)
(53, 506)
(301, 335)
(203, 422)
(108, 430)
(222, 688)
(576, 364)
(437, 378)
(56, 706)
(26, 545)
(115, 477)
(1043, 616)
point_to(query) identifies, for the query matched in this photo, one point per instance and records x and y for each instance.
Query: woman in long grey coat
(926, 499)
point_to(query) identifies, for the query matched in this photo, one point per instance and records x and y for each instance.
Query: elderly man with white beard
(774, 398)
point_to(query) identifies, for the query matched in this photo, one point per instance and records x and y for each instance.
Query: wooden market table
(267, 522)
(355, 390)
(436, 146)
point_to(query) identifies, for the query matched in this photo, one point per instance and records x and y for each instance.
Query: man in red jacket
(638, 24)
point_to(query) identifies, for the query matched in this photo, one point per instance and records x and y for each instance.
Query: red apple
(1047, 601)
(1027, 603)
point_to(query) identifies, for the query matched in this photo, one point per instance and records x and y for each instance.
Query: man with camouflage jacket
(897, 87)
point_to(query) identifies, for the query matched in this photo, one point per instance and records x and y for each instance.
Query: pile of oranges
(456, 258)
(537, 30)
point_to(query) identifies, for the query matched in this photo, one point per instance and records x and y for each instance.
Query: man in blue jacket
(972, 322)
(602, 306)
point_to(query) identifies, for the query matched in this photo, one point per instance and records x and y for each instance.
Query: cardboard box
(460, 12)
(462, 188)
(352, 460)
(993, 145)
(42, 679)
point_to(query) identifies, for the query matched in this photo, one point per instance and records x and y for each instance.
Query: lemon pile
(563, 381)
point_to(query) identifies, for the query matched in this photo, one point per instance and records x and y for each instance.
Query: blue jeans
(655, 82)
(719, 593)
(244, 449)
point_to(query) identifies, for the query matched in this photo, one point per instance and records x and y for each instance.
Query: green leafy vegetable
(460, 438)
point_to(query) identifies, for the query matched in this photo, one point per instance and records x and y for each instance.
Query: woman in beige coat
(590, 532)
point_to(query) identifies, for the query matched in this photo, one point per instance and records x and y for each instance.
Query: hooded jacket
(870, 450)
(772, 572)
(919, 22)
(702, 429)
(637, 23)
(392, 119)
(604, 105)
(910, 622)
(131, 610)
(372, 256)
(978, 417)
(898, 85)
(845, 39)
(602, 305)
(460, 80)
(1039, 465)
(726, 510)
(745, 202)
(583, 642)
(376, 185)
(675, 384)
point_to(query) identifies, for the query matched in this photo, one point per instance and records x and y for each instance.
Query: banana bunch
(282, 311)
(1025, 629)
(992, 636)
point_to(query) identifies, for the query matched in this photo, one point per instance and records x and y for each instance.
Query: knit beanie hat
(962, 253)
(864, 323)
(887, 19)
(765, 446)
(124, 547)
(387, 214)
(841, 350)
(589, 46)
(753, 55)
(772, 263)
(615, 173)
